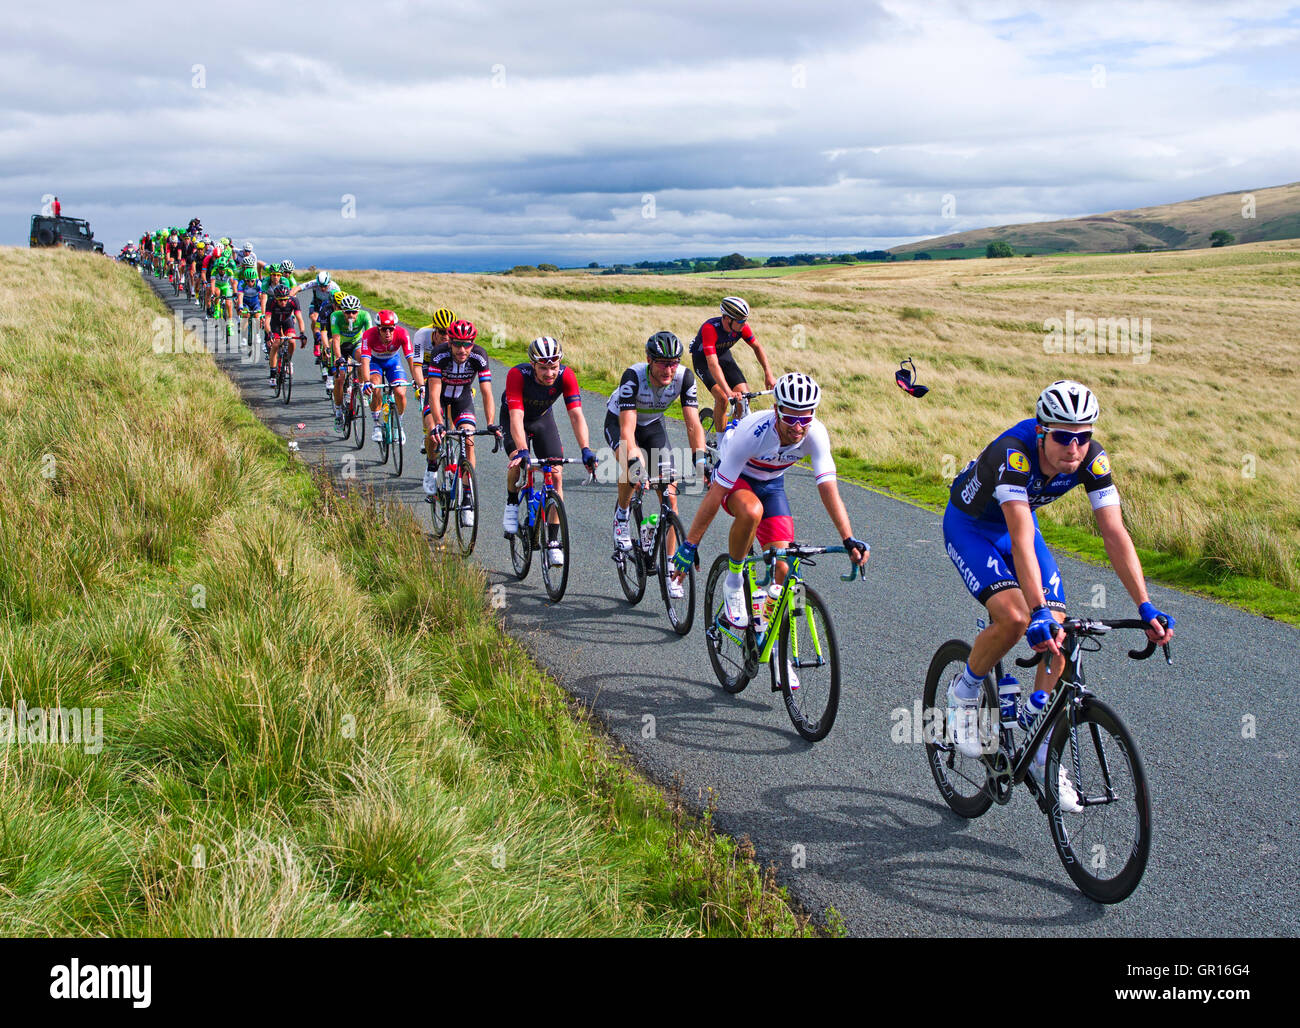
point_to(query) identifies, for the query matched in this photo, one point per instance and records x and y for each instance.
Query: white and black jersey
(636, 392)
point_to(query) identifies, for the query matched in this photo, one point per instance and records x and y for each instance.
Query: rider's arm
(769, 380)
(1021, 528)
(1124, 559)
(573, 401)
(515, 411)
(691, 412)
(627, 434)
(489, 401)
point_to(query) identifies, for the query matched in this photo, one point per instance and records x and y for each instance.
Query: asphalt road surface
(855, 821)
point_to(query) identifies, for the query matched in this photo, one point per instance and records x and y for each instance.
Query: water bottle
(648, 528)
(534, 501)
(758, 610)
(1008, 695)
(773, 594)
(1032, 708)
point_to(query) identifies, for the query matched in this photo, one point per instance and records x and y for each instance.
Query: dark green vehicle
(74, 233)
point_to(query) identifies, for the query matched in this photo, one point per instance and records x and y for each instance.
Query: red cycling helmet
(462, 332)
(386, 319)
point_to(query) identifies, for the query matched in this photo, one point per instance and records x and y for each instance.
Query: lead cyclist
(991, 534)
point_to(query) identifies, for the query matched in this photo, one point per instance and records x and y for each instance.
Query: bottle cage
(905, 376)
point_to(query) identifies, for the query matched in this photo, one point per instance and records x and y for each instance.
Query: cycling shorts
(390, 367)
(730, 370)
(460, 409)
(652, 438)
(777, 525)
(981, 552)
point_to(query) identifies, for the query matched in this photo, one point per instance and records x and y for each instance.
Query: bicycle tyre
(681, 613)
(726, 657)
(811, 712)
(1070, 832)
(442, 498)
(279, 380)
(358, 415)
(466, 494)
(556, 579)
(286, 371)
(395, 434)
(631, 563)
(383, 432)
(521, 543)
(945, 760)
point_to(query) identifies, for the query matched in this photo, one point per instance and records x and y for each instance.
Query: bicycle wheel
(286, 371)
(384, 438)
(395, 434)
(681, 610)
(355, 411)
(631, 563)
(1105, 846)
(442, 493)
(961, 779)
(279, 379)
(521, 543)
(556, 578)
(809, 669)
(732, 652)
(466, 503)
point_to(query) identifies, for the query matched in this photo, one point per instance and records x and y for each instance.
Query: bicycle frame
(1010, 767)
(791, 598)
(666, 483)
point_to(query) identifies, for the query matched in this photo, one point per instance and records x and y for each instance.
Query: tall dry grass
(1200, 434)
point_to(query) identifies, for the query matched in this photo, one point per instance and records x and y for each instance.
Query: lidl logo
(1101, 465)
(1018, 461)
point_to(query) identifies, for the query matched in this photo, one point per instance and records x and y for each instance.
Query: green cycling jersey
(349, 337)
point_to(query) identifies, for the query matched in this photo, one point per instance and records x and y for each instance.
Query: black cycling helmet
(663, 346)
(281, 292)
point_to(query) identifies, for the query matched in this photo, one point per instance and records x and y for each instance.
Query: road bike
(456, 493)
(353, 408)
(654, 541)
(796, 624)
(283, 341)
(538, 507)
(390, 427)
(1105, 844)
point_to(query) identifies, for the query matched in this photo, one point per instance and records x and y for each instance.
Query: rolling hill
(1185, 225)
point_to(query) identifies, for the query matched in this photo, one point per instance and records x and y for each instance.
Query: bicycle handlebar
(1091, 627)
(769, 557)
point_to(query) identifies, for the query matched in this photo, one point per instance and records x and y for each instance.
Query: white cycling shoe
(510, 522)
(676, 590)
(430, 482)
(378, 434)
(963, 721)
(466, 518)
(1067, 793)
(555, 555)
(737, 610)
(622, 535)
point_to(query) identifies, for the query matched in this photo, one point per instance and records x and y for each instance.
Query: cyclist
(346, 327)
(280, 313)
(252, 298)
(380, 353)
(450, 371)
(749, 484)
(173, 251)
(991, 533)
(634, 421)
(527, 421)
(322, 306)
(712, 360)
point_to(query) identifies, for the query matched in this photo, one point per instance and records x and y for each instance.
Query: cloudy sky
(475, 135)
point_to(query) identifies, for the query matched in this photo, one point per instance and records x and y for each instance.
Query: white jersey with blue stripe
(755, 451)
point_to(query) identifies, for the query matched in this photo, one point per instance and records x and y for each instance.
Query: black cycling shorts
(730, 370)
(651, 438)
(542, 436)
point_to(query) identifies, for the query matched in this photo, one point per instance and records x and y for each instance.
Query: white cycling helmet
(544, 348)
(796, 391)
(286, 267)
(735, 308)
(1067, 403)
(322, 278)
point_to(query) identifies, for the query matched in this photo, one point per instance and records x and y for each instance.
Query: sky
(474, 136)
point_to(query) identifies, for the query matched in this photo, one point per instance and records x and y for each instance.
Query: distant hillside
(1185, 225)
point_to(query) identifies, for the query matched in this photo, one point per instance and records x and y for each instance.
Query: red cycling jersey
(373, 344)
(525, 393)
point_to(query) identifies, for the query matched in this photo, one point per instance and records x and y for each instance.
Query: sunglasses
(796, 420)
(905, 376)
(1065, 438)
(387, 328)
(666, 364)
(550, 362)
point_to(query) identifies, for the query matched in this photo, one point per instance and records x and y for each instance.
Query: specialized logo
(1018, 461)
(1100, 466)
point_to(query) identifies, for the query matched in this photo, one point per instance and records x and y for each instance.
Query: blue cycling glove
(523, 457)
(1042, 626)
(1147, 612)
(588, 458)
(685, 557)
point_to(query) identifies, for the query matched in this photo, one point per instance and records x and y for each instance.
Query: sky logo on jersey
(1100, 466)
(1018, 461)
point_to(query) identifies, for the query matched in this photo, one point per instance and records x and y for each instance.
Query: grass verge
(307, 725)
